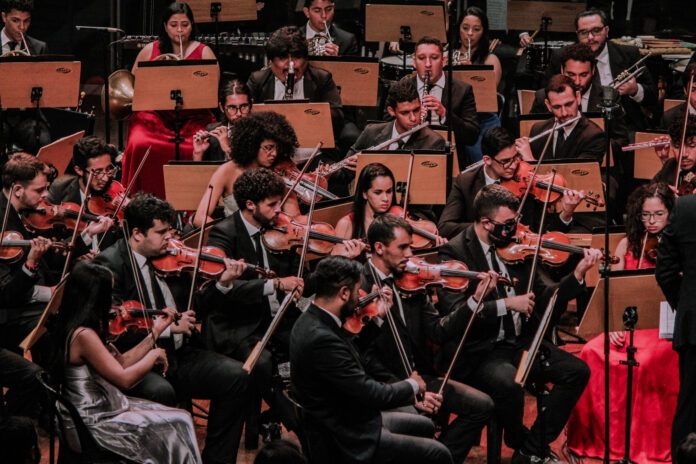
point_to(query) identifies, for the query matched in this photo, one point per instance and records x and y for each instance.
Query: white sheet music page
(667, 315)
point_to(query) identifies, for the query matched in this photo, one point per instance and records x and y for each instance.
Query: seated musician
(315, 84)
(647, 212)
(238, 319)
(194, 372)
(418, 323)
(429, 57)
(345, 409)
(19, 128)
(501, 162)
(677, 113)
(156, 128)
(403, 104)
(581, 139)
(669, 153)
(261, 140)
(213, 143)
(320, 18)
(90, 376)
(592, 29)
(505, 326)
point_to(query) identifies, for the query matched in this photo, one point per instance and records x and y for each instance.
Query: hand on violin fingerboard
(483, 290)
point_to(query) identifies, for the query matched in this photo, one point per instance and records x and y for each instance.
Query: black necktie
(560, 140)
(12, 44)
(400, 144)
(508, 323)
(259, 249)
(156, 290)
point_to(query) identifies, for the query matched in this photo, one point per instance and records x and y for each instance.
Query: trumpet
(290, 82)
(638, 146)
(627, 74)
(426, 92)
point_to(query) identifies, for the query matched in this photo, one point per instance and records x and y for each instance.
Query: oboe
(290, 82)
(426, 91)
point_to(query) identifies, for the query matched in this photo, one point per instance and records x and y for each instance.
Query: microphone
(100, 28)
(609, 95)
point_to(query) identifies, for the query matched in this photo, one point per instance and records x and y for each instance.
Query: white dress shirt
(606, 77)
(298, 89)
(5, 39)
(436, 90)
(395, 145)
(268, 288)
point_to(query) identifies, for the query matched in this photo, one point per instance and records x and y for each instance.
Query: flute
(548, 131)
(638, 146)
(181, 48)
(26, 47)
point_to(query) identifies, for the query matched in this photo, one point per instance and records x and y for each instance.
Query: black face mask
(502, 233)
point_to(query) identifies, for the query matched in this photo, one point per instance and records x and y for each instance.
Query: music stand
(51, 308)
(311, 121)
(616, 233)
(629, 288)
(331, 211)
(526, 16)
(431, 177)
(442, 132)
(176, 85)
(357, 78)
(59, 153)
(579, 175)
(645, 162)
(482, 80)
(206, 11)
(392, 21)
(185, 182)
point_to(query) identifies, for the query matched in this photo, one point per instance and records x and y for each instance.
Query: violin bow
(407, 189)
(7, 214)
(530, 183)
(642, 248)
(479, 305)
(255, 354)
(136, 279)
(302, 171)
(532, 272)
(71, 246)
(197, 265)
(683, 134)
(114, 215)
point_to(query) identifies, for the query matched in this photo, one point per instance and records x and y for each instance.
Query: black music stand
(206, 11)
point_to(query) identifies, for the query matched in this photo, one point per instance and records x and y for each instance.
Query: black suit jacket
(347, 42)
(423, 323)
(484, 332)
(593, 103)
(337, 395)
(671, 115)
(65, 188)
(465, 123)
(373, 134)
(318, 84)
(36, 46)
(585, 141)
(244, 310)
(676, 269)
(214, 151)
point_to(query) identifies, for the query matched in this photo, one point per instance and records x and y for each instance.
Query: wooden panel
(592, 276)
(526, 100)
(185, 184)
(526, 16)
(232, 10)
(383, 21)
(670, 103)
(311, 121)
(484, 86)
(198, 84)
(59, 81)
(357, 81)
(332, 214)
(646, 163)
(580, 176)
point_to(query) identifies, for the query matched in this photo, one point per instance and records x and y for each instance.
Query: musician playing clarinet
(506, 323)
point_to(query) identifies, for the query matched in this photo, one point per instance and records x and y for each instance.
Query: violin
(180, 258)
(13, 245)
(111, 200)
(132, 315)
(420, 275)
(424, 232)
(46, 216)
(650, 249)
(288, 232)
(519, 183)
(289, 172)
(367, 309)
(555, 247)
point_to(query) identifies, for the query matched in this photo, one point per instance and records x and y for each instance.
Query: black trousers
(407, 438)
(495, 375)
(685, 416)
(24, 390)
(199, 373)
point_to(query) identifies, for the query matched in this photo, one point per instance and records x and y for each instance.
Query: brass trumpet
(627, 74)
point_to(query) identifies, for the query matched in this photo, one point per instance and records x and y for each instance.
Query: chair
(90, 452)
(316, 445)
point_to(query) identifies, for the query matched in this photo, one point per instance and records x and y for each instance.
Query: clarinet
(290, 82)
(426, 92)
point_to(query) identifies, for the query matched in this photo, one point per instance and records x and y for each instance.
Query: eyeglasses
(507, 163)
(109, 171)
(269, 148)
(657, 215)
(510, 223)
(595, 31)
(243, 108)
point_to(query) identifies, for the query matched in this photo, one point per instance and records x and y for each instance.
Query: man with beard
(669, 153)
(418, 323)
(504, 327)
(238, 319)
(344, 407)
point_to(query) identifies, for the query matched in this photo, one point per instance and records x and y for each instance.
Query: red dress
(655, 389)
(156, 128)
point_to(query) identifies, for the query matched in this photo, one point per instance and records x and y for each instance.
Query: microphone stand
(453, 29)
(630, 319)
(608, 106)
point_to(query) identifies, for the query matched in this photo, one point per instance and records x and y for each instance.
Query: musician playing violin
(668, 154)
(506, 323)
(193, 370)
(238, 319)
(259, 140)
(418, 323)
(501, 161)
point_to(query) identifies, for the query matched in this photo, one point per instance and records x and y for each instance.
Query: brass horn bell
(120, 94)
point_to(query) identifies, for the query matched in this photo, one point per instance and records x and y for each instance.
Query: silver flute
(638, 146)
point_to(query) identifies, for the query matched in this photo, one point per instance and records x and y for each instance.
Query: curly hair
(256, 185)
(402, 91)
(87, 148)
(144, 208)
(675, 130)
(578, 52)
(287, 41)
(635, 229)
(249, 133)
(20, 5)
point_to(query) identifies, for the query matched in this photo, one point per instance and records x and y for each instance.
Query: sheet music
(497, 14)
(667, 316)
